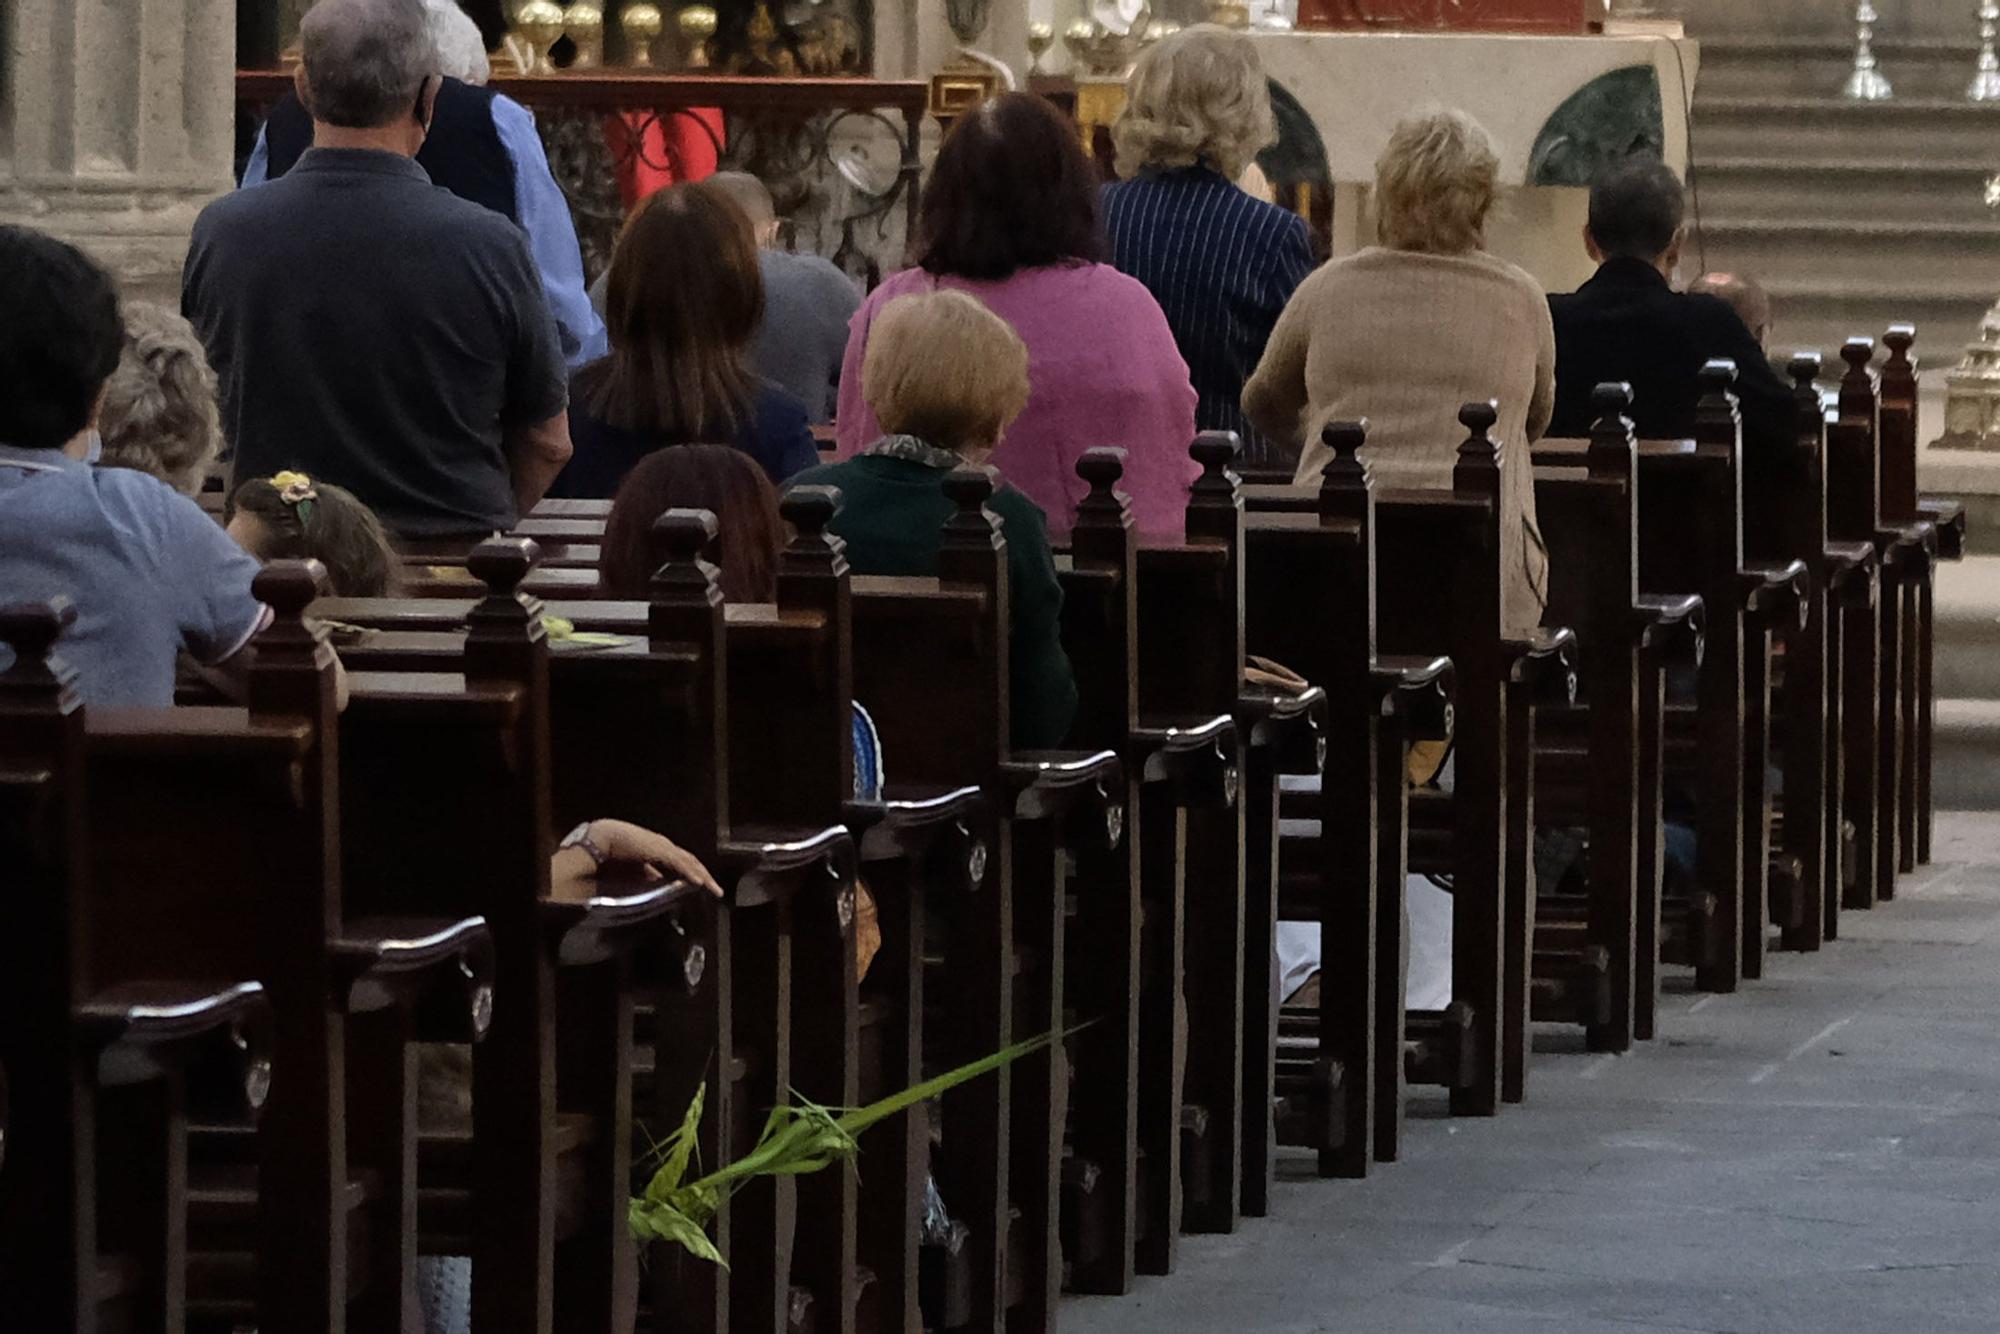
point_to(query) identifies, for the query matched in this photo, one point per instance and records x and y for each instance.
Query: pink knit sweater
(1103, 370)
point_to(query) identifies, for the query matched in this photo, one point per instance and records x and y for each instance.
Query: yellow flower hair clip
(296, 489)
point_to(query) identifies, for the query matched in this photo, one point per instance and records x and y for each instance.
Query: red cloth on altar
(655, 151)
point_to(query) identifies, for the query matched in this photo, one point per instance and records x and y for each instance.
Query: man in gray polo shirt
(369, 328)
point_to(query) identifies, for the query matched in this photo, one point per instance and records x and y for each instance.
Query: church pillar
(117, 125)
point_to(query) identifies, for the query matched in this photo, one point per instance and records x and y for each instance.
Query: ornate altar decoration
(1550, 16)
(1972, 389)
(631, 94)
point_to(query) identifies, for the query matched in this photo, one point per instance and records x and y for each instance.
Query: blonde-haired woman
(1220, 262)
(160, 412)
(945, 377)
(1405, 332)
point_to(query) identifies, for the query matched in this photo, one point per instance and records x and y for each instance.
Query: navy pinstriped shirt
(1222, 264)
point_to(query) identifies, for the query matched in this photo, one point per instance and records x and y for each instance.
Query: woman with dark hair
(1010, 214)
(683, 301)
(749, 533)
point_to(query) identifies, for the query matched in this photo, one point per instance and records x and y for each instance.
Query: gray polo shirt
(375, 331)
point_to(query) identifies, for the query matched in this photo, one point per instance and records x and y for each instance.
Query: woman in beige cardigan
(1404, 333)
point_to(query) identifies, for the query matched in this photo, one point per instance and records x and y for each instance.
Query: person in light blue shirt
(150, 575)
(484, 147)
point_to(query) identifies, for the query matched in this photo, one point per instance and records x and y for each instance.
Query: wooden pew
(1901, 503)
(536, 1193)
(1437, 566)
(943, 716)
(1601, 769)
(1310, 603)
(1854, 513)
(228, 863)
(93, 1202)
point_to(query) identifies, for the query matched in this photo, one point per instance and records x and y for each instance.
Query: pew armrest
(1850, 572)
(1669, 623)
(761, 865)
(1904, 547)
(619, 919)
(1948, 516)
(1047, 784)
(1196, 754)
(142, 1030)
(381, 962)
(1290, 723)
(907, 823)
(1545, 661)
(1419, 691)
(1775, 593)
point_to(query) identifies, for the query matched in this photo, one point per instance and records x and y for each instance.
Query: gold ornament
(540, 24)
(1229, 13)
(584, 22)
(697, 24)
(642, 25)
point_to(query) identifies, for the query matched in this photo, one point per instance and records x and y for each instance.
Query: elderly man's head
(368, 65)
(1435, 182)
(1636, 209)
(754, 198)
(1745, 295)
(1197, 97)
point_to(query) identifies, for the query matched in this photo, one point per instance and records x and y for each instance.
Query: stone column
(117, 125)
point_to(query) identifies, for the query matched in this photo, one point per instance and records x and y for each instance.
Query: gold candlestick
(697, 25)
(539, 24)
(642, 25)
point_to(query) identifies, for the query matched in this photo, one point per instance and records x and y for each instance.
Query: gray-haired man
(367, 327)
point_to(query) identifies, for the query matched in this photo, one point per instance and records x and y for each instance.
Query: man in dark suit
(1628, 323)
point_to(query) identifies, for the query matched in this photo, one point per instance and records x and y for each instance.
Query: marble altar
(1556, 107)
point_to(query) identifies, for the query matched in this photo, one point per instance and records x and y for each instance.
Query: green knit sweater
(892, 516)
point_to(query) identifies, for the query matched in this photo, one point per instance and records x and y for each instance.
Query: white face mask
(94, 451)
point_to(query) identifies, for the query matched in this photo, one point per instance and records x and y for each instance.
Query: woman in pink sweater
(1010, 214)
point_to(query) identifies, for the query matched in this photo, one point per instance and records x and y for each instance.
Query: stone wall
(116, 125)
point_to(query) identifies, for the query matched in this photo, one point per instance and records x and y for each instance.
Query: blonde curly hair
(160, 414)
(1435, 182)
(1197, 96)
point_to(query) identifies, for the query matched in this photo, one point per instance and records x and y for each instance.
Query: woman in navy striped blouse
(1221, 263)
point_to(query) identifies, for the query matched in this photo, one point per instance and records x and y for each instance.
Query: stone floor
(1819, 1152)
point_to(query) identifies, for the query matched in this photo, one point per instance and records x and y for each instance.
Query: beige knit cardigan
(1404, 339)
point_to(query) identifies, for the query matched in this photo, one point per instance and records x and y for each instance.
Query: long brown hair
(717, 478)
(330, 525)
(683, 301)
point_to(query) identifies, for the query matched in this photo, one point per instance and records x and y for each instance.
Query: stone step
(1833, 128)
(1821, 315)
(1917, 254)
(1819, 66)
(1968, 628)
(1846, 190)
(1965, 755)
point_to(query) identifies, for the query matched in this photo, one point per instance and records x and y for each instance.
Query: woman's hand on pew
(574, 871)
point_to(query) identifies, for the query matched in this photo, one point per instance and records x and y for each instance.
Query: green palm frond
(798, 1138)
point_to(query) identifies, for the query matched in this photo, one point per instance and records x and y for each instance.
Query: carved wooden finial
(1215, 500)
(971, 549)
(1613, 447)
(1717, 376)
(1899, 340)
(1804, 368)
(1343, 482)
(1105, 508)
(501, 563)
(1215, 451)
(1857, 353)
(678, 538)
(288, 587)
(1857, 386)
(1478, 464)
(31, 629)
(812, 550)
